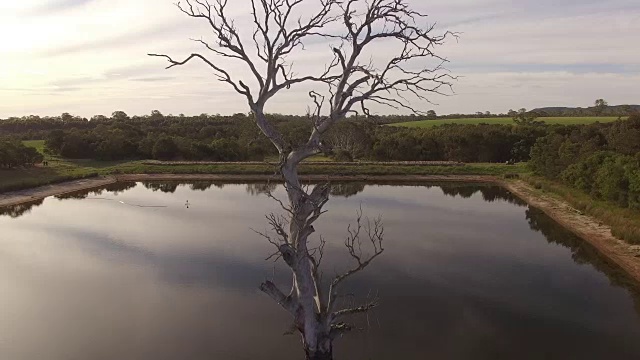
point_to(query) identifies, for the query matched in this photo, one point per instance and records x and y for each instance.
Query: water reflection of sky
(101, 278)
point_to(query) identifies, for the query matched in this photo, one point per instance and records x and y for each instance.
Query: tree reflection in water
(347, 189)
(16, 211)
(582, 252)
(256, 189)
(113, 189)
(204, 185)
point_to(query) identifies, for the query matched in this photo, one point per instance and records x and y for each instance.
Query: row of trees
(36, 127)
(601, 160)
(14, 154)
(164, 139)
(465, 143)
(238, 140)
(346, 141)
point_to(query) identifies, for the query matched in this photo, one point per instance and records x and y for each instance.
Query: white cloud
(89, 56)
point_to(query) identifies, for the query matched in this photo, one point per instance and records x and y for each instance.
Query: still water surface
(469, 272)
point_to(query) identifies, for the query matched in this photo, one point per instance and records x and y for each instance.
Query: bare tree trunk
(326, 354)
(315, 336)
(315, 316)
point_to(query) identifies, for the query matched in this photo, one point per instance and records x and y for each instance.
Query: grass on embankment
(60, 170)
(506, 121)
(624, 223)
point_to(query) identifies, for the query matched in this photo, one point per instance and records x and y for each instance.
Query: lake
(153, 271)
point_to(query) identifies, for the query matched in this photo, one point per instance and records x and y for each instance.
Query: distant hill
(613, 110)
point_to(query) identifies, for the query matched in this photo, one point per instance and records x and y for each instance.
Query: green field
(38, 144)
(506, 120)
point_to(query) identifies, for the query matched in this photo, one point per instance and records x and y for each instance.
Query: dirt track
(588, 228)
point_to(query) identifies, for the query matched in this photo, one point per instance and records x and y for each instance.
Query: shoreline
(13, 198)
(624, 255)
(589, 229)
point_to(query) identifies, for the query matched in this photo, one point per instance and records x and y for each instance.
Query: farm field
(506, 120)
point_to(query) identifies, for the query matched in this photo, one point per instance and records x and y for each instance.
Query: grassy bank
(624, 223)
(63, 170)
(506, 120)
(60, 170)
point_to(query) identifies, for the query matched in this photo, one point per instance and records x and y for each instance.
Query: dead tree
(353, 80)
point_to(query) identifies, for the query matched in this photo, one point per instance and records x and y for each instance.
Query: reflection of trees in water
(347, 189)
(171, 186)
(165, 187)
(490, 193)
(582, 252)
(119, 187)
(115, 188)
(341, 189)
(23, 209)
(16, 211)
(256, 189)
(204, 185)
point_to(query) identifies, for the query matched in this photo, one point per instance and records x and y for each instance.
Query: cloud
(580, 68)
(154, 78)
(118, 41)
(54, 6)
(504, 57)
(470, 20)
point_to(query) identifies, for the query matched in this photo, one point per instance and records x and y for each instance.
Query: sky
(88, 57)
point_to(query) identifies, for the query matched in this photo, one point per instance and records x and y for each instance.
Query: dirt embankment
(588, 228)
(28, 195)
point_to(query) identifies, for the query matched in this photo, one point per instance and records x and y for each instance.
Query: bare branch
(375, 233)
(278, 225)
(287, 302)
(356, 310)
(221, 74)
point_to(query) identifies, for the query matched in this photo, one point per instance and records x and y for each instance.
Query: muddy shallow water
(171, 271)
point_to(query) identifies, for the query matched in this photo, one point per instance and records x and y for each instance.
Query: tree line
(235, 138)
(34, 127)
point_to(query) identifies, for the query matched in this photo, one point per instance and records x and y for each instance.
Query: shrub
(342, 155)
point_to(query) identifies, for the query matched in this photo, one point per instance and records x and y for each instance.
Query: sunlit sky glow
(88, 57)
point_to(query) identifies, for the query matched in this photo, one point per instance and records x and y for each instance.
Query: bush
(14, 153)
(607, 176)
(342, 155)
